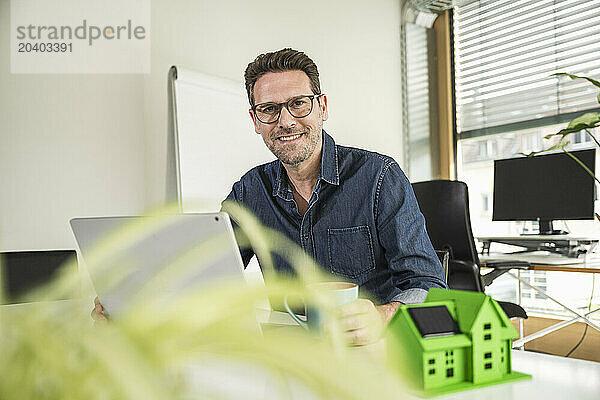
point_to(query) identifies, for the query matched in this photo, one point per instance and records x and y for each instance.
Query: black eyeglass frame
(287, 106)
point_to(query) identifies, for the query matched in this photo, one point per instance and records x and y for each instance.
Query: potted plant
(197, 346)
(584, 122)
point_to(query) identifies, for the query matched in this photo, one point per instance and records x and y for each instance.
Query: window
(486, 208)
(419, 129)
(505, 52)
(507, 102)
(506, 99)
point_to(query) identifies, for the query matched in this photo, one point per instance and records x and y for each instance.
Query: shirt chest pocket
(350, 251)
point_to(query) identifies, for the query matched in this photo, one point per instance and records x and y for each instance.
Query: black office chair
(445, 205)
(444, 257)
(23, 271)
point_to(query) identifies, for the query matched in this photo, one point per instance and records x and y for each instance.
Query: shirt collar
(281, 186)
(329, 169)
(329, 161)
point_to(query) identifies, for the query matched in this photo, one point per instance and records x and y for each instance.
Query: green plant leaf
(558, 146)
(592, 81)
(153, 349)
(586, 121)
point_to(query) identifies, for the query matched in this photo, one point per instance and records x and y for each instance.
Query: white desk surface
(589, 264)
(538, 238)
(534, 257)
(553, 377)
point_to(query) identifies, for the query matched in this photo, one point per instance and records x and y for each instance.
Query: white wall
(70, 145)
(74, 145)
(355, 44)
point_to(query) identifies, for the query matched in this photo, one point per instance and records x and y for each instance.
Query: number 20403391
(45, 47)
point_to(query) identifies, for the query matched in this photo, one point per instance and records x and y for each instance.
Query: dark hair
(279, 61)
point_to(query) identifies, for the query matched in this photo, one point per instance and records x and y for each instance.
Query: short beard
(303, 153)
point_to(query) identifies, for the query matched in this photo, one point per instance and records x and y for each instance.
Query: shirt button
(305, 237)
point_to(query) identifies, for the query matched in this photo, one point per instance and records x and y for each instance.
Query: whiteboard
(211, 144)
(214, 139)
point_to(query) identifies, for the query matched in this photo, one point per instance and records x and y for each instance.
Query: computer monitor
(544, 188)
(24, 271)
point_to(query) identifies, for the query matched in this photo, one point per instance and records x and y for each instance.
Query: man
(354, 211)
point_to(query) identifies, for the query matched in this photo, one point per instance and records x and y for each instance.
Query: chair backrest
(25, 270)
(445, 205)
(444, 256)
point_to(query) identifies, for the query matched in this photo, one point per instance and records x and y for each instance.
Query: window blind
(417, 71)
(417, 109)
(504, 54)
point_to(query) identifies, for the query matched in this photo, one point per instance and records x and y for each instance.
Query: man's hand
(388, 310)
(98, 312)
(361, 321)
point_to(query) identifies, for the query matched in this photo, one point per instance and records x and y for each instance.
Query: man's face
(292, 140)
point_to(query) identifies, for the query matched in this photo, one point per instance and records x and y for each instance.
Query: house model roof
(468, 306)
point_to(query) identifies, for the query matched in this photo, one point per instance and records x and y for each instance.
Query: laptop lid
(156, 256)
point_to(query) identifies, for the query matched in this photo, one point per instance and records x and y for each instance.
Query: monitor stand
(546, 228)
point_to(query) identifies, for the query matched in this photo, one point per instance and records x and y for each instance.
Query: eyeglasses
(298, 107)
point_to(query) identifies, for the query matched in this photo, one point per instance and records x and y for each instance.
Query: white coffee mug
(338, 293)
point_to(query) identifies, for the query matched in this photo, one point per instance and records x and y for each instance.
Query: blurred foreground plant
(166, 349)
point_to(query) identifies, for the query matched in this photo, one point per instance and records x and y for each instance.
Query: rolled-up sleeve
(414, 265)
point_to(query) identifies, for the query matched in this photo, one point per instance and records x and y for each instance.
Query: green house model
(456, 340)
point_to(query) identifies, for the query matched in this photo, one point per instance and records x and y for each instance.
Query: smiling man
(353, 210)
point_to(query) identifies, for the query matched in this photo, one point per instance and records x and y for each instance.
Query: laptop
(156, 256)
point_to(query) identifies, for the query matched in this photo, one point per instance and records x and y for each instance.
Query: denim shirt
(362, 224)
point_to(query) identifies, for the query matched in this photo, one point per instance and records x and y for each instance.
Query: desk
(553, 263)
(562, 244)
(590, 268)
(553, 377)
(591, 265)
